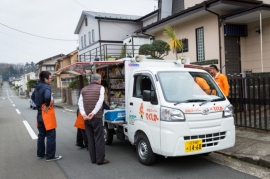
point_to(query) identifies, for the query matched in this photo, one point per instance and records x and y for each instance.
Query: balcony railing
(106, 51)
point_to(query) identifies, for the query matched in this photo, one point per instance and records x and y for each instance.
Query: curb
(256, 160)
(66, 109)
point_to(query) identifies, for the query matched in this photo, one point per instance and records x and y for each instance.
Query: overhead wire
(30, 42)
(18, 49)
(34, 34)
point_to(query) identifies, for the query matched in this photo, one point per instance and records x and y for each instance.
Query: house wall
(92, 24)
(189, 3)
(113, 30)
(266, 1)
(66, 61)
(251, 47)
(150, 20)
(74, 58)
(188, 30)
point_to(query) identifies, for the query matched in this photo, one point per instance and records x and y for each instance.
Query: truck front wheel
(144, 150)
(108, 135)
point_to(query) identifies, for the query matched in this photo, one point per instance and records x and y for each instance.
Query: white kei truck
(162, 110)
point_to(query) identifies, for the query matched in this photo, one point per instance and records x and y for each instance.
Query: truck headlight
(171, 115)
(228, 111)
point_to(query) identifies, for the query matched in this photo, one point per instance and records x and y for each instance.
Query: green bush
(31, 84)
(158, 49)
(123, 51)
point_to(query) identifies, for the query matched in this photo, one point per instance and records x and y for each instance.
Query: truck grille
(208, 140)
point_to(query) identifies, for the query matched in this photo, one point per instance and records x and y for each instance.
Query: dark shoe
(40, 157)
(94, 162)
(80, 145)
(55, 158)
(104, 162)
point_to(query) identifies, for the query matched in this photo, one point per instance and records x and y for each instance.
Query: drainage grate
(208, 140)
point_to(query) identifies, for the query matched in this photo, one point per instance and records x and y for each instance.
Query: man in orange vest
(90, 105)
(46, 121)
(220, 79)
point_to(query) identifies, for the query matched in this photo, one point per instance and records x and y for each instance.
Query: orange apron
(49, 118)
(79, 122)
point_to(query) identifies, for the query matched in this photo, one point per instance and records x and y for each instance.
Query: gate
(250, 97)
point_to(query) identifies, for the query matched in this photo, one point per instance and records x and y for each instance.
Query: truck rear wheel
(144, 150)
(108, 135)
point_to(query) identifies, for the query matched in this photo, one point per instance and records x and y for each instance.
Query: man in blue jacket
(42, 98)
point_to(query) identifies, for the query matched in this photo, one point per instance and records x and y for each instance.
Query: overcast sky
(55, 19)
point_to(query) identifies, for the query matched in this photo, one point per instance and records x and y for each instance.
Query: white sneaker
(55, 158)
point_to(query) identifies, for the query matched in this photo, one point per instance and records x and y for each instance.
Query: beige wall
(188, 30)
(150, 20)
(189, 3)
(251, 47)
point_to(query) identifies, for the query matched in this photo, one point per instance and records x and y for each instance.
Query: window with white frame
(84, 40)
(93, 36)
(50, 68)
(200, 44)
(89, 36)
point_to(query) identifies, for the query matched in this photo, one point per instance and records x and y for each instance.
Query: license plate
(193, 145)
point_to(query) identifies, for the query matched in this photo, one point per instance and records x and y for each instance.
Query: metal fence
(250, 97)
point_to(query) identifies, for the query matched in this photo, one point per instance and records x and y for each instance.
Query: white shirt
(98, 104)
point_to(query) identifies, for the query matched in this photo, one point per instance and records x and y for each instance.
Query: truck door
(144, 115)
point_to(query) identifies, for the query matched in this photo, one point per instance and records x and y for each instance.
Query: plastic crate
(115, 115)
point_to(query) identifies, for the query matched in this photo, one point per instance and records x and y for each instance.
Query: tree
(158, 49)
(31, 84)
(146, 49)
(161, 48)
(175, 44)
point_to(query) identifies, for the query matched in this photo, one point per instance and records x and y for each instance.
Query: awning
(78, 68)
(249, 15)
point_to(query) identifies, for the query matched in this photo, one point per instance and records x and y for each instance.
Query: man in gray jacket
(90, 105)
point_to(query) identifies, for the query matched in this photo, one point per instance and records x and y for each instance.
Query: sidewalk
(252, 146)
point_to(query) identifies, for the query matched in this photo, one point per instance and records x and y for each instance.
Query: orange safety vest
(49, 118)
(79, 123)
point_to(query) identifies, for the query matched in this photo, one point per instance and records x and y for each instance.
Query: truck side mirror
(146, 95)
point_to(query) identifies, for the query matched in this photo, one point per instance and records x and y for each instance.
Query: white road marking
(30, 130)
(18, 111)
(13, 105)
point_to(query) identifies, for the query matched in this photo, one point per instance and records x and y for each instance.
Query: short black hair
(215, 67)
(43, 75)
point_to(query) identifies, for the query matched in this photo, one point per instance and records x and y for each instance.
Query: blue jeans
(50, 145)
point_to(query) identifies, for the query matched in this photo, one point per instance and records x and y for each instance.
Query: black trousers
(81, 137)
(96, 143)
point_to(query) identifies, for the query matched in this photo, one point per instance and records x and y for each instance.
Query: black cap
(214, 66)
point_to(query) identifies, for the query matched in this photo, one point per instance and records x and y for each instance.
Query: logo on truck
(205, 111)
(141, 111)
(133, 65)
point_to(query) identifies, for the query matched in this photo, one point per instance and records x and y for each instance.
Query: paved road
(18, 153)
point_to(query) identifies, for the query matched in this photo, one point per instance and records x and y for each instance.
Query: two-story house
(25, 78)
(48, 64)
(102, 34)
(64, 77)
(233, 33)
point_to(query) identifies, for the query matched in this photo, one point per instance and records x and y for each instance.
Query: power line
(34, 34)
(31, 42)
(19, 49)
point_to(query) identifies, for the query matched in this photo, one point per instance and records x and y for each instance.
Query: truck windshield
(179, 87)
